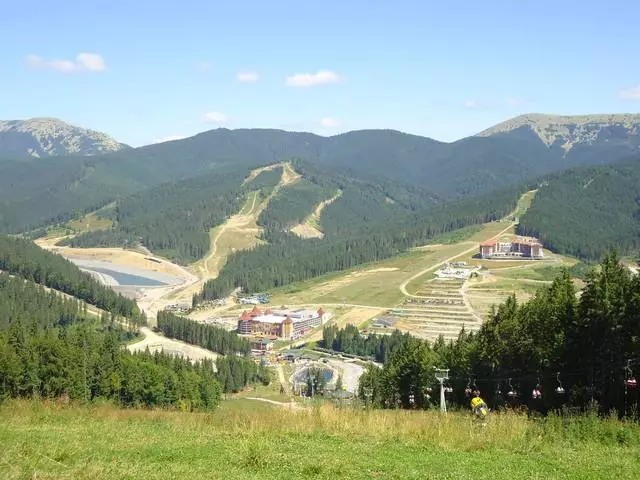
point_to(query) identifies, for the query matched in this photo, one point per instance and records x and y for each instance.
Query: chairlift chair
(536, 394)
(630, 382)
(559, 388)
(468, 391)
(513, 393)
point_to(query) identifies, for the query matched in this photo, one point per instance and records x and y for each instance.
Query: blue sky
(145, 70)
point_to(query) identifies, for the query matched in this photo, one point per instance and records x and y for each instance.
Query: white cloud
(329, 122)
(311, 79)
(474, 104)
(204, 66)
(218, 118)
(169, 138)
(84, 62)
(630, 93)
(248, 77)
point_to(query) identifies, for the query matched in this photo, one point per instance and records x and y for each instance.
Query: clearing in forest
(240, 232)
(310, 227)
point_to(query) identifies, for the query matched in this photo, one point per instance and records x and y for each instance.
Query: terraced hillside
(437, 308)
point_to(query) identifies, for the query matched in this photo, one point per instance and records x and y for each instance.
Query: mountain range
(45, 137)
(35, 193)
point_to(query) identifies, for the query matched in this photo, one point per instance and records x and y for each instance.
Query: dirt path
(155, 342)
(309, 228)
(519, 209)
(239, 232)
(291, 405)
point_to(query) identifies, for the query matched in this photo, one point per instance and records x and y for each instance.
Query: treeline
(30, 303)
(25, 259)
(174, 219)
(50, 347)
(235, 373)
(236, 370)
(366, 202)
(287, 258)
(293, 204)
(554, 340)
(350, 340)
(587, 211)
(210, 337)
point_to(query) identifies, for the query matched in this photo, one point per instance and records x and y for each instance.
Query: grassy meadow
(253, 440)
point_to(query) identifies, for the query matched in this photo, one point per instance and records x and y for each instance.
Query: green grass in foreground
(53, 441)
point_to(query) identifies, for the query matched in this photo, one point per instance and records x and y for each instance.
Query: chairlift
(513, 393)
(559, 388)
(468, 391)
(498, 389)
(630, 382)
(536, 394)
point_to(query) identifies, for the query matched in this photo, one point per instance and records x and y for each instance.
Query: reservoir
(117, 275)
(127, 279)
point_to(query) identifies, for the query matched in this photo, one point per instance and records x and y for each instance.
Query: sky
(143, 71)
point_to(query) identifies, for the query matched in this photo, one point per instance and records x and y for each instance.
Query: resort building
(521, 247)
(284, 324)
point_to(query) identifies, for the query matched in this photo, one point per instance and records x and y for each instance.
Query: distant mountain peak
(571, 130)
(44, 137)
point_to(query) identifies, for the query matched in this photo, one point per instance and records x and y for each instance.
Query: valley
(319, 240)
(401, 289)
(401, 292)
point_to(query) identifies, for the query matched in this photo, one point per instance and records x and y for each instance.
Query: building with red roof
(284, 324)
(521, 247)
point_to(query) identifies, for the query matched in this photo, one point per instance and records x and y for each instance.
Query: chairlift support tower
(442, 375)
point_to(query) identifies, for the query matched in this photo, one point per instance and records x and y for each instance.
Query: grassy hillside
(587, 211)
(245, 440)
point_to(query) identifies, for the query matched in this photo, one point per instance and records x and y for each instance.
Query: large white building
(521, 247)
(283, 323)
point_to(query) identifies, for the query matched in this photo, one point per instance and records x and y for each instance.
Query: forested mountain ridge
(587, 211)
(35, 193)
(45, 137)
(174, 219)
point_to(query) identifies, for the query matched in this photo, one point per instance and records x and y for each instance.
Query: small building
(262, 345)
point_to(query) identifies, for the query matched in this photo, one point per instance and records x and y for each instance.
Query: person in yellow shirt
(478, 406)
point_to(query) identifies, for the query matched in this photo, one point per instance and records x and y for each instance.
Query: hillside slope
(44, 137)
(587, 211)
(251, 440)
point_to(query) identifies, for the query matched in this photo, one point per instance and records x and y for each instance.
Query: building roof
(320, 311)
(255, 311)
(527, 241)
(245, 316)
(489, 243)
